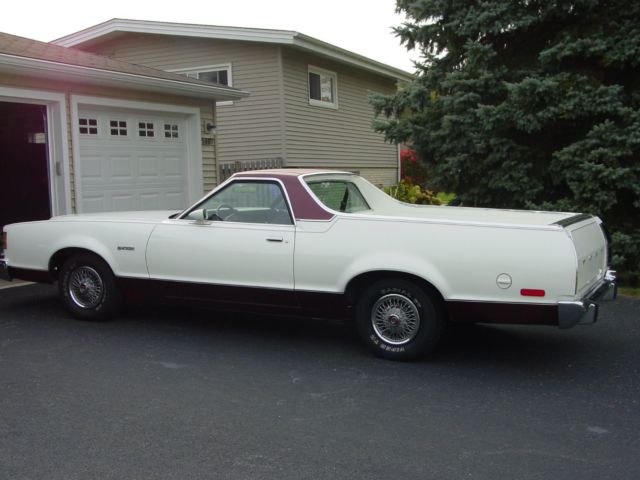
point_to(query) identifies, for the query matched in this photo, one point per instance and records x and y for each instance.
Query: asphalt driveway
(189, 394)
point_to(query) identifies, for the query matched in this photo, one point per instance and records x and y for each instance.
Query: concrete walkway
(16, 283)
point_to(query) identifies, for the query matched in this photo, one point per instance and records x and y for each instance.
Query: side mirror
(199, 216)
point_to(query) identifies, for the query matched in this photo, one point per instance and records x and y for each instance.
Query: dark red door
(24, 189)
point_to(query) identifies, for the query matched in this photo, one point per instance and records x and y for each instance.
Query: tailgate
(591, 250)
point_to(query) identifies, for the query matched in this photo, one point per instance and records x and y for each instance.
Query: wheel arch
(59, 257)
(358, 284)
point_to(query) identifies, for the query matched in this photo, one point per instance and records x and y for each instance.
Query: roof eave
(278, 37)
(101, 77)
(118, 25)
(340, 54)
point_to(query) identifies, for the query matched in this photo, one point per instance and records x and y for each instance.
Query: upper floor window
(213, 76)
(323, 88)
(220, 74)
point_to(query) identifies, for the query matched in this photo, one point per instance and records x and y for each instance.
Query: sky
(361, 26)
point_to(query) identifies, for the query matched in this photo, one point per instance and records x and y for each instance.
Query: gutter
(97, 76)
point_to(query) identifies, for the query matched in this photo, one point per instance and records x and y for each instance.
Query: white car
(326, 243)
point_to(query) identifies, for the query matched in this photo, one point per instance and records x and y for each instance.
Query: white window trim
(191, 137)
(137, 129)
(208, 68)
(319, 103)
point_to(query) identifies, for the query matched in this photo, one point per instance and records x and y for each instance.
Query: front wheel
(398, 320)
(88, 288)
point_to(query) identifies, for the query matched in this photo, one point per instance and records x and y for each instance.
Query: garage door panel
(145, 200)
(92, 167)
(123, 202)
(133, 171)
(173, 167)
(150, 167)
(148, 201)
(94, 204)
(122, 167)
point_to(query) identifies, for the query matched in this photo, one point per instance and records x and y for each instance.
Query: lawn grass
(629, 291)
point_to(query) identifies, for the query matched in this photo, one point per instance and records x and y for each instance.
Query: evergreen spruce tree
(527, 104)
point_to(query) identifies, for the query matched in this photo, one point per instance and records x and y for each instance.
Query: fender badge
(129, 249)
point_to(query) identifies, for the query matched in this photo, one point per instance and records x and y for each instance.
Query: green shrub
(407, 192)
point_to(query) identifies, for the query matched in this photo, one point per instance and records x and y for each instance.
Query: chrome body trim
(585, 310)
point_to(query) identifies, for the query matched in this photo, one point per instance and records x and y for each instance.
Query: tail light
(532, 292)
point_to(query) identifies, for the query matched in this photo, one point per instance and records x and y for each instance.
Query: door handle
(274, 239)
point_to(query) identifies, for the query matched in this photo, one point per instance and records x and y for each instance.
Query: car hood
(143, 216)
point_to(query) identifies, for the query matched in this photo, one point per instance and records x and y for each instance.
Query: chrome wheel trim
(395, 319)
(86, 287)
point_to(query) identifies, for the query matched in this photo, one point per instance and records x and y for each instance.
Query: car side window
(339, 195)
(245, 201)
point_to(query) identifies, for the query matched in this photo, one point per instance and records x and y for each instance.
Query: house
(81, 132)
(309, 100)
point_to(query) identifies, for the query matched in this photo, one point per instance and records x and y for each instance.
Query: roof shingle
(33, 49)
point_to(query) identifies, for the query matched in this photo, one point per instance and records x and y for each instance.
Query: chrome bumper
(4, 270)
(585, 311)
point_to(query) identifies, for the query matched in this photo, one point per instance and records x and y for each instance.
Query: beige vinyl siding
(249, 129)
(276, 120)
(209, 165)
(334, 138)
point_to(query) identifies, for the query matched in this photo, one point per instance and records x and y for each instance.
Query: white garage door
(131, 160)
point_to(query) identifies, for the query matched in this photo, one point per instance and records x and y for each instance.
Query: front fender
(121, 245)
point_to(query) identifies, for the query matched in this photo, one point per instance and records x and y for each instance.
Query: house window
(171, 130)
(220, 74)
(323, 88)
(213, 76)
(118, 128)
(145, 129)
(88, 126)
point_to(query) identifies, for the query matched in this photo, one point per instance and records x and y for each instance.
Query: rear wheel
(88, 288)
(398, 320)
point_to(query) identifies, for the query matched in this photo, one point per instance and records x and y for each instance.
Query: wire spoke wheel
(86, 287)
(395, 319)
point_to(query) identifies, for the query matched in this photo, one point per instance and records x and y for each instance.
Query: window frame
(119, 120)
(209, 68)
(89, 126)
(225, 186)
(334, 76)
(347, 184)
(146, 136)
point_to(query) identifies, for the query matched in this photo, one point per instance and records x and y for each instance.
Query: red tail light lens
(532, 292)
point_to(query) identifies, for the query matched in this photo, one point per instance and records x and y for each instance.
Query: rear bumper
(585, 311)
(4, 270)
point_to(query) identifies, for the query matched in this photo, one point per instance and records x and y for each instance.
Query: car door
(235, 247)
